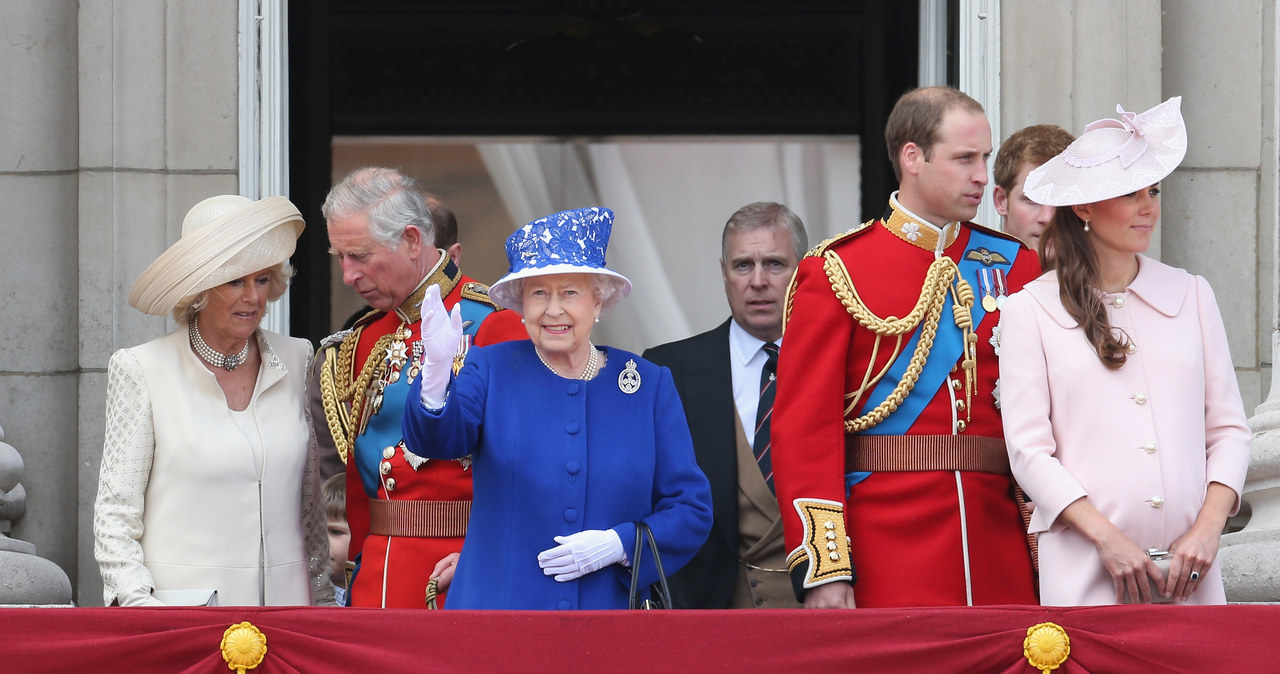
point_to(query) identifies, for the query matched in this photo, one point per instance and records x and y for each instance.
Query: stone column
(1069, 63)
(1251, 557)
(157, 133)
(39, 329)
(25, 579)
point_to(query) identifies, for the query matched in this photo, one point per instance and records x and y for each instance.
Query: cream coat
(1142, 443)
(181, 504)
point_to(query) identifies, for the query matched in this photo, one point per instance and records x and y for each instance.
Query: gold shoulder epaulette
(996, 232)
(478, 292)
(817, 251)
(821, 248)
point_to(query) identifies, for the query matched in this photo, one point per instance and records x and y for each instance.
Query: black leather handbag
(659, 588)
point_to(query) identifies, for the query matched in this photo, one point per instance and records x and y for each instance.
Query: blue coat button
(572, 427)
(572, 388)
(570, 515)
(572, 467)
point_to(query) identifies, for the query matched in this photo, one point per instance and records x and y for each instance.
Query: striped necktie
(764, 413)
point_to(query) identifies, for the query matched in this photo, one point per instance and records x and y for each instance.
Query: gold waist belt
(902, 453)
(419, 519)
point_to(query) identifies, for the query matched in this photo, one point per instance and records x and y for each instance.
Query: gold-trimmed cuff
(824, 547)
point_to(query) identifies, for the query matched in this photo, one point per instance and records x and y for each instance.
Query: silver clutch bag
(1162, 558)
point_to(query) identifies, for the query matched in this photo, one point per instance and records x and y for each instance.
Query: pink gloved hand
(440, 334)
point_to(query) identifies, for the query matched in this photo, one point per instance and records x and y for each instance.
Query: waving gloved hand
(581, 553)
(440, 334)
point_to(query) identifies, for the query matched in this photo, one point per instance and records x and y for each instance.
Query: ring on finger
(1195, 575)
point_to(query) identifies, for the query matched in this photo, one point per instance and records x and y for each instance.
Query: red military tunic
(919, 535)
(405, 513)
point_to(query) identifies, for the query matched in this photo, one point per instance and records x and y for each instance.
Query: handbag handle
(664, 592)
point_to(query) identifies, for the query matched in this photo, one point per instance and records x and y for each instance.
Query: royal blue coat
(552, 457)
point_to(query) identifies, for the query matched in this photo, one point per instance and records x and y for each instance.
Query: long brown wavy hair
(1066, 247)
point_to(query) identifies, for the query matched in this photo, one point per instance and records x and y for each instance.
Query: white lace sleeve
(122, 482)
(314, 522)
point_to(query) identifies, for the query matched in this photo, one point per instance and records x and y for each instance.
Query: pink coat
(1142, 442)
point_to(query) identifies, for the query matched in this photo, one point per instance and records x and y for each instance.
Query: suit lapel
(709, 383)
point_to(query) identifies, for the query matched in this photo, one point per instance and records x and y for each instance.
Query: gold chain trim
(942, 277)
(334, 390)
(335, 414)
(342, 400)
(816, 251)
(790, 300)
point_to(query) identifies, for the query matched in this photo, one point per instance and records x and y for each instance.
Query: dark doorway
(573, 68)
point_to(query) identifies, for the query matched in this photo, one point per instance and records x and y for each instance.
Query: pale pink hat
(1113, 157)
(223, 238)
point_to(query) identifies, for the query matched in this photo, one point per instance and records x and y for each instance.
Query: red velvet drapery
(1102, 639)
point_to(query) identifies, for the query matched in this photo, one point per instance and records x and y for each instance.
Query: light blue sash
(948, 345)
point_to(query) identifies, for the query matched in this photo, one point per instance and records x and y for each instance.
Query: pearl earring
(522, 321)
(597, 319)
(1086, 225)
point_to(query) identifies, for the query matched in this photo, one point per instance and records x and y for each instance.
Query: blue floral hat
(568, 242)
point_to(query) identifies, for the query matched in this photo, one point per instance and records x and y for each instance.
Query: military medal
(1002, 291)
(464, 345)
(988, 291)
(415, 360)
(629, 379)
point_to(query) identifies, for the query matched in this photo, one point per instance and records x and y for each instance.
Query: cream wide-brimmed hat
(223, 238)
(1113, 157)
(568, 242)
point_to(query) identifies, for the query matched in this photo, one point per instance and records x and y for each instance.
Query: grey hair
(187, 309)
(391, 200)
(605, 288)
(765, 214)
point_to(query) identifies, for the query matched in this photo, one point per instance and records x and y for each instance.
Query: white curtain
(671, 200)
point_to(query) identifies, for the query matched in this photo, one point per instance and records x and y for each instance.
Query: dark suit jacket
(700, 367)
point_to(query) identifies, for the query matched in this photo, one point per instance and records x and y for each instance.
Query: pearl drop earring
(1086, 225)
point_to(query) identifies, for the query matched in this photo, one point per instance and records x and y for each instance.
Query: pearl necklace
(227, 362)
(593, 362)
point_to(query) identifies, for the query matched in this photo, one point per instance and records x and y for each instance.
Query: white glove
(440, 334)
(137, 597)
(581, 553)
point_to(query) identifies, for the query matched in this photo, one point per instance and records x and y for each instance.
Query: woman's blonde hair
(187, 309)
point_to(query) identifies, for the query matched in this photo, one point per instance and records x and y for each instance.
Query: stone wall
(119, 117)
(39, 327)
(1218, 216)
(158, 133)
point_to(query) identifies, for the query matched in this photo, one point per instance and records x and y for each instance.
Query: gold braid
(938, 281)
(334, 391)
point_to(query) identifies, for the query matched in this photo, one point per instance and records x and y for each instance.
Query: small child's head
(334, 492)
(1022, 152)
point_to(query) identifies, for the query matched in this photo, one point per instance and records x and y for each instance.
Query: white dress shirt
(746, 359)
